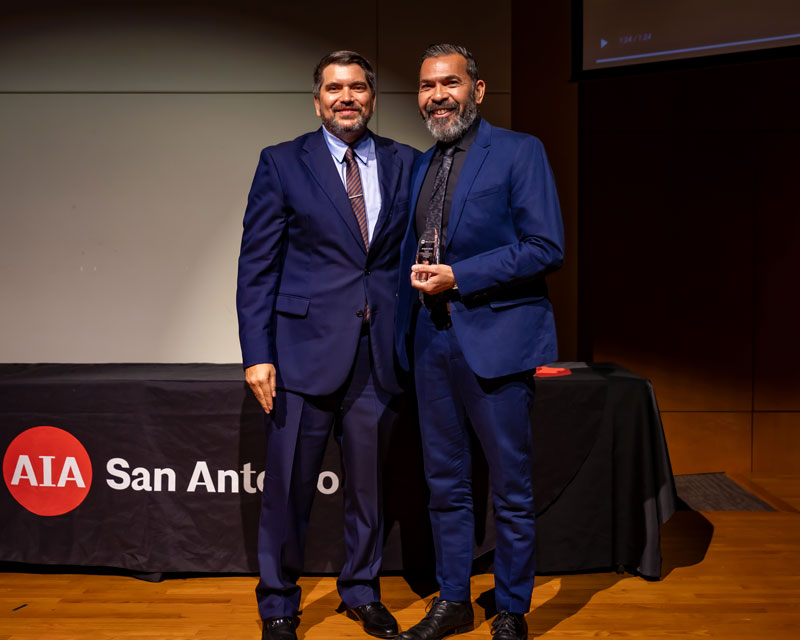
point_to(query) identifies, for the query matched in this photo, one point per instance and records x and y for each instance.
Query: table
(174, 452)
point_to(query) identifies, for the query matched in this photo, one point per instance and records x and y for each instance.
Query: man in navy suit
(316, 300)
(474, 327)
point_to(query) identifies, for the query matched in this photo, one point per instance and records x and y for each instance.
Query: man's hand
(261, 378)
(432, 278)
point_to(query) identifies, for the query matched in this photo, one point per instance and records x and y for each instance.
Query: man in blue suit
(473, 328)
(316, 300)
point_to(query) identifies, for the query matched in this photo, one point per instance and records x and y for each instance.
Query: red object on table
(551, 372)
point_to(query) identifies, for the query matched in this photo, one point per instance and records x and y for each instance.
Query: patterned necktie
(436, 205)
(356, 194)
(433, 219)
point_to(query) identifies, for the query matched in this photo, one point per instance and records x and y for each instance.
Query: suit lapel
(317, 157)
(417, 178)
(388, 176)
(475, 157)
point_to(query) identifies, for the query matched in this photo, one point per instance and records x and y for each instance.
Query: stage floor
(732, 575)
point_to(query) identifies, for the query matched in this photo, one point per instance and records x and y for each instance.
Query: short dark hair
(343, 58)
(444, 49)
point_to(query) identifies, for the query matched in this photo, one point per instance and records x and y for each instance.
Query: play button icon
(603, 42)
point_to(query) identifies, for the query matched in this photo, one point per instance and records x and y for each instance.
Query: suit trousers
(362, 415)
(452, 399)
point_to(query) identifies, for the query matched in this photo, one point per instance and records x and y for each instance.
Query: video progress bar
(702, 48)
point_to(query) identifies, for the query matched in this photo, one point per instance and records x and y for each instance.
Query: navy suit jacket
(304, 273)
(504, 234)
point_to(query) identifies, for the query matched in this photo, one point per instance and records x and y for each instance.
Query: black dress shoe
(509, 626)
(375, 618)
(443, 618)
(282, 628)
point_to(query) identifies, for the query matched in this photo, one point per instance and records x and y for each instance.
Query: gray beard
(338, 128)
(457, 127)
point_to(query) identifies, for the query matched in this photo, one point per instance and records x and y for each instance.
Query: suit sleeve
(536, 215)
(260, 263)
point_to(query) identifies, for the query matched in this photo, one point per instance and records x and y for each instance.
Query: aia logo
(47, 471)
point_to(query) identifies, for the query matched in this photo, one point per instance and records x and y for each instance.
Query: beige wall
(129, 137)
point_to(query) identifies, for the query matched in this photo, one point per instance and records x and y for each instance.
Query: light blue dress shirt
(367, 163)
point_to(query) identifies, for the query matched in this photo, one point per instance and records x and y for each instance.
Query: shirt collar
(362, 147)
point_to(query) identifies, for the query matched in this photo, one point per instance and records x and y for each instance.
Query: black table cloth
(176, 449)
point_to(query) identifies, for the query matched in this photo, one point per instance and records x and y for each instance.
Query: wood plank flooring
(732, 575)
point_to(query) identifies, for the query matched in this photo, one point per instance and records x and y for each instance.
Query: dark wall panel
(545, 104)
(667, 258)
(777, 268)
(776, 441)
(708, 442)
(688, 240)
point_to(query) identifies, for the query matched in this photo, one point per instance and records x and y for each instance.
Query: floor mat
(716, 492)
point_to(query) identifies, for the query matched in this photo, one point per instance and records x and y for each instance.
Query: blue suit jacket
(304, 273)
(504, 234)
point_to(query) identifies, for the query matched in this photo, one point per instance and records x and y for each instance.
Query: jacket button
(366, 272)
(360, 313)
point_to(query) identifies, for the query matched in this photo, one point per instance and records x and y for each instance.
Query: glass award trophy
(429, 250)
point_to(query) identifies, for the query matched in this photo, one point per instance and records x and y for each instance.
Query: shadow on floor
(685, 540)
(317, 610)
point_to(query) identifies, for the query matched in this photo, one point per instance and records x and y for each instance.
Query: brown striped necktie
(356, 194)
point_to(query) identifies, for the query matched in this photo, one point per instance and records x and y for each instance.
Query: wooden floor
(729, 575)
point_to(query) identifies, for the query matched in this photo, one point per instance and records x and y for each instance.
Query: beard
(456, 125)
(341, 127)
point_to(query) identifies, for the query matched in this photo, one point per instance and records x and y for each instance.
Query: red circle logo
(47, 471)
